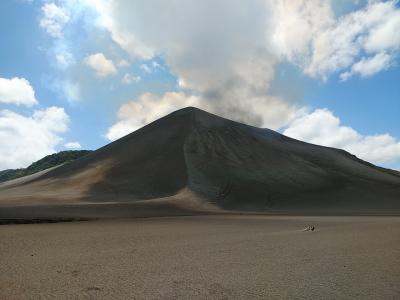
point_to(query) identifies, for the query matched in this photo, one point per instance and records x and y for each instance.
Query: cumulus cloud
(53, 19)
(295, 24)
(337, 44)
(72, 146)
(17, 91)
(369, 66)
(29, 138)
(100, 64)
(384, 32)
(322, 127)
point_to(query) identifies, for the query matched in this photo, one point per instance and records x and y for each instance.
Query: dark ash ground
(203, 257)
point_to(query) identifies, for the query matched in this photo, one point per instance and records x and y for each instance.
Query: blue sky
(102, 68)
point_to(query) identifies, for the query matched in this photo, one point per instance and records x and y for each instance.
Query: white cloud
(73, 146)
(29, 138)
(100, 64)
(130, 78)
(54, 19)
(126, 40)
(385, 34)
(308, 34)
(17, 91)
(149, 107)
(323, 128)
(369, 66)
(337, 44)
(295, 24)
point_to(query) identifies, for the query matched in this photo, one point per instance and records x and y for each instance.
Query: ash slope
(192, 159)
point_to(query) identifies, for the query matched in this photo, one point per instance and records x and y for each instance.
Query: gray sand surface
(203, 257)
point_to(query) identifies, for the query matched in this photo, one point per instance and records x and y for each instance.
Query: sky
(78, 74)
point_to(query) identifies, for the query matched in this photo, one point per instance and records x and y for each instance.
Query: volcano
(191, 161)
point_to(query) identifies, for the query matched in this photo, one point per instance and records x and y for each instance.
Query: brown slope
(213, 160)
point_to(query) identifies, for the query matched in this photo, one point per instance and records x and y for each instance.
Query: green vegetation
(44, 163)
